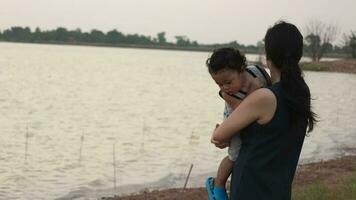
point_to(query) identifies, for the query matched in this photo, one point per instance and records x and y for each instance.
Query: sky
(206, 21)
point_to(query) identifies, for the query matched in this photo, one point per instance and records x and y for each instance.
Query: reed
(186, 180)
(144, 128)
(81, 146)
(114, 165)
(142, 150)
(26, 142)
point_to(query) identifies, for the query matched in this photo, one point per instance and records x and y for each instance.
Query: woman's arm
(259, 106)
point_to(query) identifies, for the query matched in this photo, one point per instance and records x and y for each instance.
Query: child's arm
(233, 102)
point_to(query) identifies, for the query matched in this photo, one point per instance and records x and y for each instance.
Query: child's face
(229, 81)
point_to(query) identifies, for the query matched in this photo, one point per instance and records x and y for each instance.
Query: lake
(74, 119)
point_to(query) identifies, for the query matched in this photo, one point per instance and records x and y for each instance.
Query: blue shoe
(209, 184)
(220, 193)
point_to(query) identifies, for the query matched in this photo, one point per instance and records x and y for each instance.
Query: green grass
(314, 66)
(311, 192)
(345, 190)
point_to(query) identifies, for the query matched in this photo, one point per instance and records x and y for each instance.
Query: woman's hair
(226, 58)
(284, 47)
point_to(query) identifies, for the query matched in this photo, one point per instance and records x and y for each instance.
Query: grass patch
(315, 66)
(344, 190)
(311, 192)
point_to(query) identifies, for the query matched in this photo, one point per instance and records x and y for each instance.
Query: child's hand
(230, 100)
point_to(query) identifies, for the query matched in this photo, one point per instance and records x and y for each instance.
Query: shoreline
(340, 66)
(158, 47)
(330, 173)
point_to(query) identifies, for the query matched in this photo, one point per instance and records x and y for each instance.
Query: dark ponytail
(284, 47)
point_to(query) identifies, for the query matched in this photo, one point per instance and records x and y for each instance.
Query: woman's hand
(218, 144)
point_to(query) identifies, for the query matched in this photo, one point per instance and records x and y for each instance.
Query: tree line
(320, 36)
(110, 38)
(318, 40)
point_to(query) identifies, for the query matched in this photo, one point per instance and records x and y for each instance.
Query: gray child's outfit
(235, 143)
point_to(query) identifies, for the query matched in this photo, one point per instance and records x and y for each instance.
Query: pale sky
(207, 21)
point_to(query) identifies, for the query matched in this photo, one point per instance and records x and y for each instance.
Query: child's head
(226, 66)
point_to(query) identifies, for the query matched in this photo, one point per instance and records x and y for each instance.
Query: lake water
(63, 109)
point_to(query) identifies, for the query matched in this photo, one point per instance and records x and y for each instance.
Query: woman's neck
(275, 75)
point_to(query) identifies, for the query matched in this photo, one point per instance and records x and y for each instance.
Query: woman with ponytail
(272, 123)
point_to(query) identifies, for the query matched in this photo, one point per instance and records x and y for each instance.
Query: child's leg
(224, 172)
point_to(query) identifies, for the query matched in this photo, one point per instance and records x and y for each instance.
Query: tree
(182, 40)
(61, 34)
(37, 34)
(114, 37)
(350, 43)
(161, 38)
(97, 36)
(17, 34)
(77, 35)
(313, 45)
(261, 51)
(318, 38)
(353, 44)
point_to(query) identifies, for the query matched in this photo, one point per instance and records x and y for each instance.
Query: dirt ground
(343, 66)
(328, 172)
(347, 66)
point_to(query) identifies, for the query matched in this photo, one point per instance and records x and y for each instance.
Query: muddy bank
(343, 66)
(329, 173)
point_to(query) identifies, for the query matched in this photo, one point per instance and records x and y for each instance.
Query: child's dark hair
(226, 58)
(284, 47)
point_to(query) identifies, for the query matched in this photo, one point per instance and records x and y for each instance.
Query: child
(236, 80)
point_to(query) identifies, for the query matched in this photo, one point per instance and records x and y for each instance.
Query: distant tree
(313, 45)
(114, 37)
(61, 34)
(251, 48)
(260, 45)
(77, 36)
(36, 36)
(234, 44)
(194, 43)
(353, 44)
(138, 39)
(161, 37)
(350, 43)
(97, 36)
(318, 38)
(18, 34)
(182, 40)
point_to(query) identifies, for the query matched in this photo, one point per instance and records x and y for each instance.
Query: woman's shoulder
(262, 95)
(264, 102)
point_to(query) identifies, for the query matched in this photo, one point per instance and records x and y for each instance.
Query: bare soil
(329, 173)
(343, 66)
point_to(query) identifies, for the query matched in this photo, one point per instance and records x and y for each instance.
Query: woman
(236, 80)
(272, 122)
